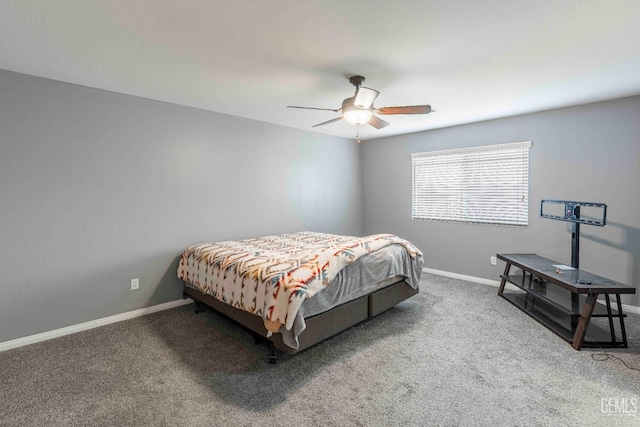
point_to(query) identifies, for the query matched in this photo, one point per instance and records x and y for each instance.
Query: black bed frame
(320, 326)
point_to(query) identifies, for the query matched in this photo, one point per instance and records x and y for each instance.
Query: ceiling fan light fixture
(354, 115)
(357, 116)
(365, 97)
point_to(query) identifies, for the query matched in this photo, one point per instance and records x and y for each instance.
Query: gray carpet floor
(455, 354)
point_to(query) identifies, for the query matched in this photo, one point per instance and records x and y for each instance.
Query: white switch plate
(135, 284)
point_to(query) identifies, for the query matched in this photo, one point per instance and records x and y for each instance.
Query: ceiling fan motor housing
(356, 80)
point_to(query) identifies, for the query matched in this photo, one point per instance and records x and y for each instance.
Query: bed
(297, 289)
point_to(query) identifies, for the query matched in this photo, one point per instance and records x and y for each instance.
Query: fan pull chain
(358, 134)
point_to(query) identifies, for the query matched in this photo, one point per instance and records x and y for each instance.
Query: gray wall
(98, 188)
(584, 153)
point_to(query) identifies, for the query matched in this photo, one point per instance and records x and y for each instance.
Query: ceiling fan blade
(413, 109)
(365, 97)
(327, 122)
(377, 122)
(313, 108)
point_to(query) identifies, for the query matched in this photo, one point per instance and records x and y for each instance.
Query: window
(488, 185)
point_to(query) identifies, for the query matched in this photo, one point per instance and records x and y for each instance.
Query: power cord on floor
(608, 355)
(605, 355)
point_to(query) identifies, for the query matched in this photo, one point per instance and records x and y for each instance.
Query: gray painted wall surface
(585, 153)
(98, 188)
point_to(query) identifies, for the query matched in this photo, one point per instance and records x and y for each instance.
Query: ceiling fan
(359, 109)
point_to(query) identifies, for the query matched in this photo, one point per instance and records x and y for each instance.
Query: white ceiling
(470, 59)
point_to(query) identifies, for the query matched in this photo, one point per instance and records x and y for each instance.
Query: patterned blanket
(271, 276)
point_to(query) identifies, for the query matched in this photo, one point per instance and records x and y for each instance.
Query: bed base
(320, 326)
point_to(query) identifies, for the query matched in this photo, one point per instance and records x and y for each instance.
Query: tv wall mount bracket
(572, 214)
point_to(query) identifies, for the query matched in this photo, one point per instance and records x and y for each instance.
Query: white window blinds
(487, 184)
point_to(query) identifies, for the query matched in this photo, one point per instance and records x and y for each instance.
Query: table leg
(622, 329)
(610, 316)
(583, 323)
(503, 282)
(575, 308)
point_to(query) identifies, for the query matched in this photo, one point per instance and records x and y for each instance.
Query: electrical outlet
(135, 284)
(494, 260)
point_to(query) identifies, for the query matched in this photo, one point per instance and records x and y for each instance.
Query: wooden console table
(564, 300)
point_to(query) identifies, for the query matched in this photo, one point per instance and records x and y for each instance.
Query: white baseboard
(625, 307)
(461, 276)
(32, 339)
